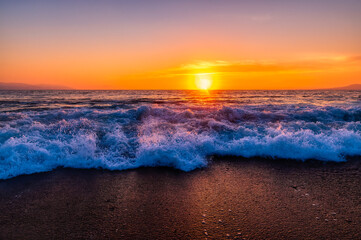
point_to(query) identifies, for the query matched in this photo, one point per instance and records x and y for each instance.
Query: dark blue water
(42, 130)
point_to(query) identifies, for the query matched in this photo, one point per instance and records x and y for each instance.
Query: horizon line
(293, 89)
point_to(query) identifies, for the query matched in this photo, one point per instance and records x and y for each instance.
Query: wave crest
(182, 137)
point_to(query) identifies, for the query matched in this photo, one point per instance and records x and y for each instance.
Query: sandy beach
(233, 198)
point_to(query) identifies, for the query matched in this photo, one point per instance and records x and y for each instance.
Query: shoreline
(214, 159)
(244, 198)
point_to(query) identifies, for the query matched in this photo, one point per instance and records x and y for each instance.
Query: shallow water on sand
(231, 199)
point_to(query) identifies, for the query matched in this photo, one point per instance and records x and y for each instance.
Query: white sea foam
(178, 136)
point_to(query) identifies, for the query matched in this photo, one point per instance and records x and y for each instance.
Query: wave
(182, 137)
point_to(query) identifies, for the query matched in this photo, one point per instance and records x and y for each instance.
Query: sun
(203, 81)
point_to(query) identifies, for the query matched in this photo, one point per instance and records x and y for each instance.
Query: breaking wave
(179, 135)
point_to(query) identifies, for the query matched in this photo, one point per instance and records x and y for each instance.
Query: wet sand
(232, 198)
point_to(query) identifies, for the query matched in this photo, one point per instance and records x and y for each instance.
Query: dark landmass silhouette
(24, 86)
(349, 87)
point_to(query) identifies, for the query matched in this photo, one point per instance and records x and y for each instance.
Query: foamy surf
(180, 134)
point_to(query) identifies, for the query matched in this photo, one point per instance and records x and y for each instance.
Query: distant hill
(349, 87)
(23, 86)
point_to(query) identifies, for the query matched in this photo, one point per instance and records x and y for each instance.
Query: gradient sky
(155, 44)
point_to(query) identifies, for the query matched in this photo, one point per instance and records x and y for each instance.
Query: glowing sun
(203, 81)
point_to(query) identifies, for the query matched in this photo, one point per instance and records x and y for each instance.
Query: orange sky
(165, 44)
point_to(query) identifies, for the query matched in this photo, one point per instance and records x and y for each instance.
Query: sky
(170, 44)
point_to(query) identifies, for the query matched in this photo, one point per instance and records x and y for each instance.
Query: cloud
(252, 66)
(354, 59)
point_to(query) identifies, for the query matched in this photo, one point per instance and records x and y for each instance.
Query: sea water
(43, 130)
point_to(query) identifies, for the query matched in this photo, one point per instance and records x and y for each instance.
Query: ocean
(117, 130)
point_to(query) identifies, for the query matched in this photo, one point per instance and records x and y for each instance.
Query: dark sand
(250, 199)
